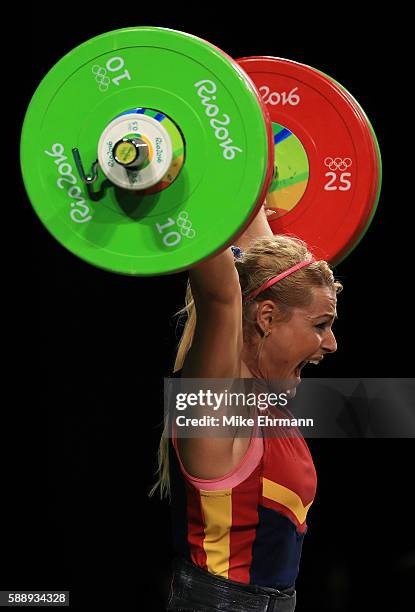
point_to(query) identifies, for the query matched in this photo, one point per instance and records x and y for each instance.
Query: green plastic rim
(218, 114)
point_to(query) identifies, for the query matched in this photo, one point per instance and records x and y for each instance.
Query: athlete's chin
(286, 385)
(291, 392)
(291, 386)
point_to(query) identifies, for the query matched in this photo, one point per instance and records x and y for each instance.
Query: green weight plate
(214, 153)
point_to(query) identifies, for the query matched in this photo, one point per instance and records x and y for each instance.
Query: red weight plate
(378, 172)
(371, 139)
(334, 210)
(376, 184)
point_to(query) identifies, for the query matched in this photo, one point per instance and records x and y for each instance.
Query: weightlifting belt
(193, 588)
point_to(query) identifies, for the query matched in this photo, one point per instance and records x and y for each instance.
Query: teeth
(304, 363)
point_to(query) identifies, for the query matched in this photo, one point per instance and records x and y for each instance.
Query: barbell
(146, 150)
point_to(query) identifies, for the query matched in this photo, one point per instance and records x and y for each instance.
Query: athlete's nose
(329, 344)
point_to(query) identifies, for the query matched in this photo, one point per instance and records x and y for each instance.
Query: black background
(90, 350)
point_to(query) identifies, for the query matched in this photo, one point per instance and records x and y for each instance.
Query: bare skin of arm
(258, 227)
(216, 349)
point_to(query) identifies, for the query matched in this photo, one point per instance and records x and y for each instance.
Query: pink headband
(275, 279)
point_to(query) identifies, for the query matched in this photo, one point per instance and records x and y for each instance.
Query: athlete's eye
(322, 325)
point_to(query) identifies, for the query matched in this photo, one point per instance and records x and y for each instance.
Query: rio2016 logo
(80, 212)
(205, 91)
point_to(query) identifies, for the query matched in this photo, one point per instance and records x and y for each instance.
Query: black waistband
(192, 588)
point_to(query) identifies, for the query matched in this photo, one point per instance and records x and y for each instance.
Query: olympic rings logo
(185, 225)
(101, 78)
(337, 163)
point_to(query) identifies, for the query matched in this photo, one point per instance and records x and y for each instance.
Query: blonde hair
(265, 258)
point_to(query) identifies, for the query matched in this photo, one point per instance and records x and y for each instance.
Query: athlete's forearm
(215, 279)
(257, 228)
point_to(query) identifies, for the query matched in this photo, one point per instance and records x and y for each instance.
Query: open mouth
(300, 366)
(298, 369)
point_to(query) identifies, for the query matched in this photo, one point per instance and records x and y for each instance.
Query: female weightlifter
(261, 311)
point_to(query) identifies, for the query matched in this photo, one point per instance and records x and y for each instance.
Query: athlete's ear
(268, 315)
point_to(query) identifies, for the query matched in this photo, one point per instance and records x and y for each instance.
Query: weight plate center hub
(135, 150)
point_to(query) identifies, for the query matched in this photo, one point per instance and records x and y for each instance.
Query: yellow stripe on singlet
(217, 513)
(285, 497)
